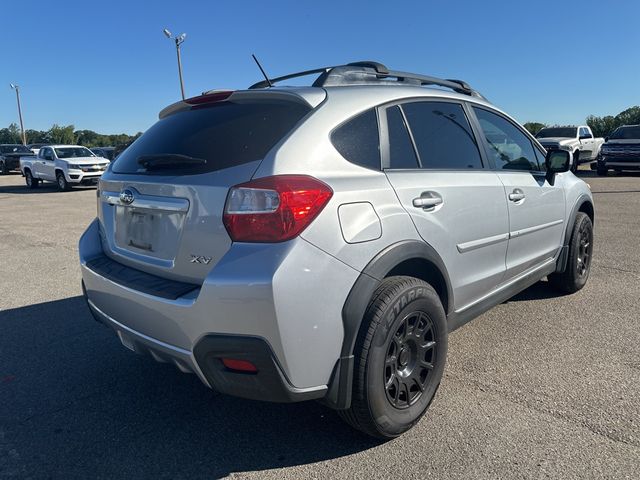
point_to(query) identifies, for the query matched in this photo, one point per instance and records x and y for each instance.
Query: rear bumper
(286, 297)
(268, 384)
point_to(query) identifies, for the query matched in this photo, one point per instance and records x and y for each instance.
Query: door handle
(517, 195)
(427, 200)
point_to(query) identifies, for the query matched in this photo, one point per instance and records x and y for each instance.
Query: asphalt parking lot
(541, 386)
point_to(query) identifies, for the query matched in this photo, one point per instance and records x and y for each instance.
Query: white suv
(289, 244)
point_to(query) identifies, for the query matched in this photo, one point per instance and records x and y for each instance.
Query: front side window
(506, 144)
(358, 140)
(442, 135)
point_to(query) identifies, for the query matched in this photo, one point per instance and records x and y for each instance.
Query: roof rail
(368, 72)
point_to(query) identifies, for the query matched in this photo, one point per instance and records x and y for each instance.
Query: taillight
(274, 209)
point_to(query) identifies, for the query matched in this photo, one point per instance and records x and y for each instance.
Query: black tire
(576, 162)
(3, 168)
(578, 266)
(601, 171)
(62, 183)
(400, 355)
(30, 181)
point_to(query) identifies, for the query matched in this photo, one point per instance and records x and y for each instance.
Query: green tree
(534, 127)
(603, 126)
(66, 134)
(61, 134)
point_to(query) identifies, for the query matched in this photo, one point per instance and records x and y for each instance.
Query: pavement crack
(58, 409)
(517, 400)
(617, 269)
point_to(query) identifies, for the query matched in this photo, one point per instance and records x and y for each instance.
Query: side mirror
(557, 161)
(606, 139)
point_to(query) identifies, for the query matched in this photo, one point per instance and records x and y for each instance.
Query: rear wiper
(167, 161)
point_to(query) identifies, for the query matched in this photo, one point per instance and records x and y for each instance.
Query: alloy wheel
(584, 249)
(410, 358)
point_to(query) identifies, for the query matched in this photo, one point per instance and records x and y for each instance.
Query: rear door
(536, 208)
(162, 201)
(457, 204)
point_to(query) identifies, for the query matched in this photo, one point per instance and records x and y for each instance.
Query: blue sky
(106, 66)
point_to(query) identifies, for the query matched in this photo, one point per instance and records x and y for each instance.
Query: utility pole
(24, 135)
(178, 40)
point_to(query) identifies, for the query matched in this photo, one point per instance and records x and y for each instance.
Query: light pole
(17, 89)
(179, 39)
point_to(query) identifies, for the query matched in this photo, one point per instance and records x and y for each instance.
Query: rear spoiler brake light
(211, 96)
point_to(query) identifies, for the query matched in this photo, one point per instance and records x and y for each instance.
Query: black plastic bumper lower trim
(138, 280)
(268, 384)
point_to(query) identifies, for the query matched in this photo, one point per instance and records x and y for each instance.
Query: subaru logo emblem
(126, 197)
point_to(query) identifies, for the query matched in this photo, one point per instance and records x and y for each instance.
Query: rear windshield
(626, 133)
(205, 139)
(561, 132)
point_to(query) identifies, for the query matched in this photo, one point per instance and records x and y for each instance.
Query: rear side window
(358, 141)
(401, 152)
(442, 135)
(211, 137)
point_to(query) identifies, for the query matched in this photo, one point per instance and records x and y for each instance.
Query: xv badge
(200, 259)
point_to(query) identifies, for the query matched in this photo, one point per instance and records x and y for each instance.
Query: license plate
(140, 229)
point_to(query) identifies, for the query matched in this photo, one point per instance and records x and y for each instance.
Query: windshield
(211, 138)
(626, 133)
(561, 132)
(73, 152)
(14, 149)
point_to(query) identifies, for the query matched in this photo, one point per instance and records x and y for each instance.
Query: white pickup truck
(578, 140)
(66, 165)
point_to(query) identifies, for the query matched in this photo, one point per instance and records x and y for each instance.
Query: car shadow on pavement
(74, 403)
(45, 188)
(538, 291)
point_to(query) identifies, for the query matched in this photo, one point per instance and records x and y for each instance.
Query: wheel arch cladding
(584, 205)
(410, 257)
(587, 207)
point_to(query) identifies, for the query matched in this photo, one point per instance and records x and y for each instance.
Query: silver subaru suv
(298, 243)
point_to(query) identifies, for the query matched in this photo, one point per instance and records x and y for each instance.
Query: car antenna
(262, 70)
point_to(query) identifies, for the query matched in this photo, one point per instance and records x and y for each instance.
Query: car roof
(65, 146)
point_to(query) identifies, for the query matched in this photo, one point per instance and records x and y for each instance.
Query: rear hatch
(161, 202)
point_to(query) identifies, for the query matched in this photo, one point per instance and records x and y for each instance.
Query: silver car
(298, 243)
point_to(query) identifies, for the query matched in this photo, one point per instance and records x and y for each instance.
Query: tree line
(600, 126)
(66, 135)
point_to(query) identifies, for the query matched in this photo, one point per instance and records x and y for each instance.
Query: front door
(46, 164)
(456, 203)
(536, 208)
(586, 144)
